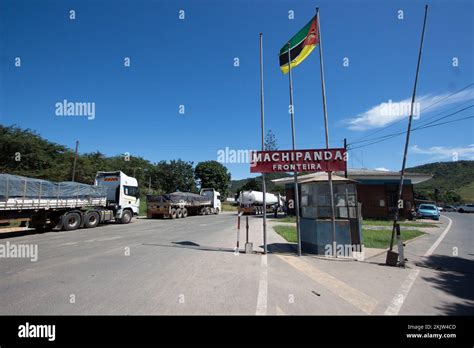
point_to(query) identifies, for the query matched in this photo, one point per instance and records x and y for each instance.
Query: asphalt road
(445, 285)
(189, 266)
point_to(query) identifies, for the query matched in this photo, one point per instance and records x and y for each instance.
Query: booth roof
(313, 177)
(356, 174)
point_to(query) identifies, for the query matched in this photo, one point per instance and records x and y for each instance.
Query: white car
(440, 209)
(466, 208)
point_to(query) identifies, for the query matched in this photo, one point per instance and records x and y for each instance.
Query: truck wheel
(179, 213)
(91, 219)
(173, 213)
(217, 211)
(126, 217)
(202, 211)
(185, 212)
(72, 221)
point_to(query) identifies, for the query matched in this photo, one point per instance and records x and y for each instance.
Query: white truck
(181, 204)
(68, 206)
(251, 202)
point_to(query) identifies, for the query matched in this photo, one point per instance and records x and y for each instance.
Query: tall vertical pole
(345, 150)
(407, 142)
(75, 161)
(295, 177)
(323, 89)
(262, 113)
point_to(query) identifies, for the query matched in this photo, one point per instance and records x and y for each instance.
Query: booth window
(316, 201)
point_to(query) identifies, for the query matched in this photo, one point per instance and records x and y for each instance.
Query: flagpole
(323, 89)
(407, 141)
(295, 177)
(262, 112)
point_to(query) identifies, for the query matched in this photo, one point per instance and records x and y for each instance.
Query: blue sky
(190, 62)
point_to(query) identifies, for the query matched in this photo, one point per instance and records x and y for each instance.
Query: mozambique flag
(301, 45)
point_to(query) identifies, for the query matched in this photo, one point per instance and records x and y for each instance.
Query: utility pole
(345, 150)
(396, 227)
(75, 160)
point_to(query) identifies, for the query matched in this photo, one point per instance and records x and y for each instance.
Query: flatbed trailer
(182, 204)
(43, 204)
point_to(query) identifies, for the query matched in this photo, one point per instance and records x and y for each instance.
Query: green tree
(177, 175)
(251, 184)
(212, 174)
(271, 143)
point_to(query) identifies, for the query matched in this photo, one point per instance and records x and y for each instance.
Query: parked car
(440, 209)
(429, 211)
(449, 208)
(466, 208)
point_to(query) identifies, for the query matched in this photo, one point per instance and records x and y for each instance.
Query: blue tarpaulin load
(19, 186)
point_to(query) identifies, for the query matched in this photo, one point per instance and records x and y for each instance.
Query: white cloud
(445, 152)
(390, 111)
(382, 169)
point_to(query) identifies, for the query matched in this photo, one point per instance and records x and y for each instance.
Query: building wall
(379, 201)
(370, 196)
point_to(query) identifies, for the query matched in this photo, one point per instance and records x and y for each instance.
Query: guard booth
(316, 213)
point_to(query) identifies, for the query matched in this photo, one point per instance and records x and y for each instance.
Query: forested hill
(454, 180)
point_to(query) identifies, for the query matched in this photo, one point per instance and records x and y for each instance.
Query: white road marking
(69, 243)
(440, 238)
(397, 302)
(355, 297)
(262, 287)
(106, 239)
(399, 298)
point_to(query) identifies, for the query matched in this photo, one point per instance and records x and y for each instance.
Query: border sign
(319, 160)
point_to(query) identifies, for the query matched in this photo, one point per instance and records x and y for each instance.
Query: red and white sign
(321, 160)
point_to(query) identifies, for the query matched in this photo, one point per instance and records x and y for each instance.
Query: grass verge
(228, 207)
(287, 232)
(381, 238)
(285, 219)
(372, 238)
(370, 222)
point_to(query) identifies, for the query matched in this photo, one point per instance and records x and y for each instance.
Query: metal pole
(75, 160)
(262, 113)
(295, 177)
(246, 229)
(237, 247)
(407, 141)
(345, 149)
(323, 89)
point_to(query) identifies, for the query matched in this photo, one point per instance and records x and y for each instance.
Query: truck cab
(215, 196)
(123, 194)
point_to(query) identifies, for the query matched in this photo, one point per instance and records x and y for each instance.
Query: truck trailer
(43, 204)
(182, 204)
(251, 202)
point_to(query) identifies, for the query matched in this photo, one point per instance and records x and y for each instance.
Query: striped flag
(301, 45)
